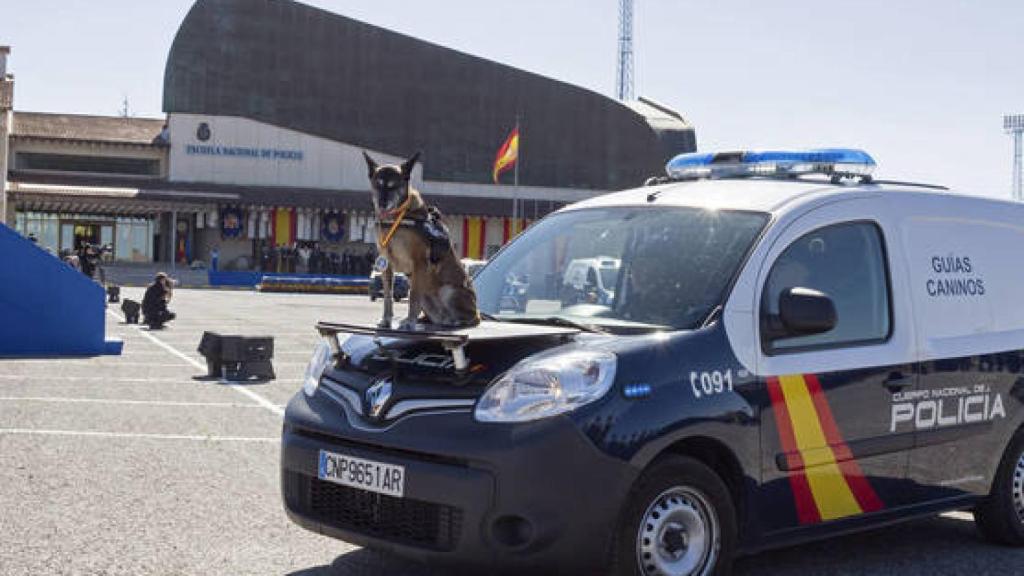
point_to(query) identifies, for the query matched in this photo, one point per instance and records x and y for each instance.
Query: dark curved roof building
(269, 106)
(297, 67)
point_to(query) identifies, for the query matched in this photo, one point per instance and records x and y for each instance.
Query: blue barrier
(244, 279)
(252, 279)
(48, 308)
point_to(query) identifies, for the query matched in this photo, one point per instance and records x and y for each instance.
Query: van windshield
(621, 267)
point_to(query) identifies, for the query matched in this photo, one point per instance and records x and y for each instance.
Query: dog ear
(409, 164)
(371, 164)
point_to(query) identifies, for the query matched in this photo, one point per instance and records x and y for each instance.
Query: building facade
(86, 179)
(269, 106)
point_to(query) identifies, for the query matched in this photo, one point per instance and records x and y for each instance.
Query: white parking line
(96, 434)
(126, 380)
(128, 402)
(240, 389)
(104, 362)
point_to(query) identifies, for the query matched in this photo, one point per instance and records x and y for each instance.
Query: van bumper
(534, 496)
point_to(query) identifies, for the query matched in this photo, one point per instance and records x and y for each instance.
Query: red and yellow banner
(507, 155)
(513, 227)
(474, 237)
(282, 227)
(826, 481)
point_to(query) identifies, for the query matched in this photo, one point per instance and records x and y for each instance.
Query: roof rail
(914, 184)
(659, 180)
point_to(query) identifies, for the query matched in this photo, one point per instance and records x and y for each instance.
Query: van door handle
(897, 381)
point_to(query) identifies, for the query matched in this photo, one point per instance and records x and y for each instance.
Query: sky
(920, 84)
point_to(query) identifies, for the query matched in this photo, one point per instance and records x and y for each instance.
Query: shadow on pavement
(363, 562)
(936, 546)
(220, 381)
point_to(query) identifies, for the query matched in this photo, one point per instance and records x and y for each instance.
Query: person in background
(88, 258)
(70, 258)
(368, 260)
(302, 264)
(154, 302)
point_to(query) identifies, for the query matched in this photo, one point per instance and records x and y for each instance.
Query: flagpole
(515, 189)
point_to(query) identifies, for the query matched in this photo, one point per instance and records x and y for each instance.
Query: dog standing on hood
(414, 241)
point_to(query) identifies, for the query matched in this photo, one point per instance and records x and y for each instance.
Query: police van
(793, 351)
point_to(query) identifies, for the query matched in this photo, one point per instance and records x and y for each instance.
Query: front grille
(394, 452)
(400, 520)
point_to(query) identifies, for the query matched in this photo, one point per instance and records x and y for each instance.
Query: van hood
(382, 375)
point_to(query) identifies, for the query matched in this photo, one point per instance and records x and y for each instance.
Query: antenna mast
(624, 64)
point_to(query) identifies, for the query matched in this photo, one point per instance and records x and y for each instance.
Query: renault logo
(377, 396)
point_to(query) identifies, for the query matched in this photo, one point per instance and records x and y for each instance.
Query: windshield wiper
(490, 317)
(558, 321)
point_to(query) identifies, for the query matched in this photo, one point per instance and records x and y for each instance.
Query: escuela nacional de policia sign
(203, 134)
(243, 152)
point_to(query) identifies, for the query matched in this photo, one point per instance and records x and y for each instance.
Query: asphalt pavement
(137, 465)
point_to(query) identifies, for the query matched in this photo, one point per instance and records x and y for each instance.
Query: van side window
(847, 263)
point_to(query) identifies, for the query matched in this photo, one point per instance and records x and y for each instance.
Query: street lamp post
(6, 113)
(1013, 124)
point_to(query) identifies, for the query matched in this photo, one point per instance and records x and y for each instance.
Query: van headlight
(326, 348)
(541, 388)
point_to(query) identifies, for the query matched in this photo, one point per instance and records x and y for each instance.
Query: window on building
(90, 164)
(45, 227)
(134, 240)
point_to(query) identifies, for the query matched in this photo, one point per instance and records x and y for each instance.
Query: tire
(1000, 516)
(681, 499)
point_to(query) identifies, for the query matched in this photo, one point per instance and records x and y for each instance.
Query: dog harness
(431, 228)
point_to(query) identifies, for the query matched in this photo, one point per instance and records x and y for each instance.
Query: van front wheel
(680, 521)
(1000, 516)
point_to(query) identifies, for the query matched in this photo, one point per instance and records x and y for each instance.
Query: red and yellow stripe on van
(826, 481)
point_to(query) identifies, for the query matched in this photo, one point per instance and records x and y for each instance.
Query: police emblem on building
(203, 132)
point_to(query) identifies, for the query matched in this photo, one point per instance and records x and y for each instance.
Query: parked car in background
(590, 280)
(473, 265)
(400, 289)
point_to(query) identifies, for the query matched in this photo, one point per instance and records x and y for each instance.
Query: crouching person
(154, 302)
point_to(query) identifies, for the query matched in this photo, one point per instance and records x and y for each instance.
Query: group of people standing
(308, 258)
(85, 258)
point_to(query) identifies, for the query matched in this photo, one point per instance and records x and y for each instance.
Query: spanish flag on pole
(508, 154)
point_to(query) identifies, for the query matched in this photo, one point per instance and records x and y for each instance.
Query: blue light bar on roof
(834, 162)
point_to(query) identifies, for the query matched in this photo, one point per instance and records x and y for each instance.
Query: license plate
(361, 473)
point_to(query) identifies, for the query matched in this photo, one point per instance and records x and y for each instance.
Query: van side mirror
(803, 311)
